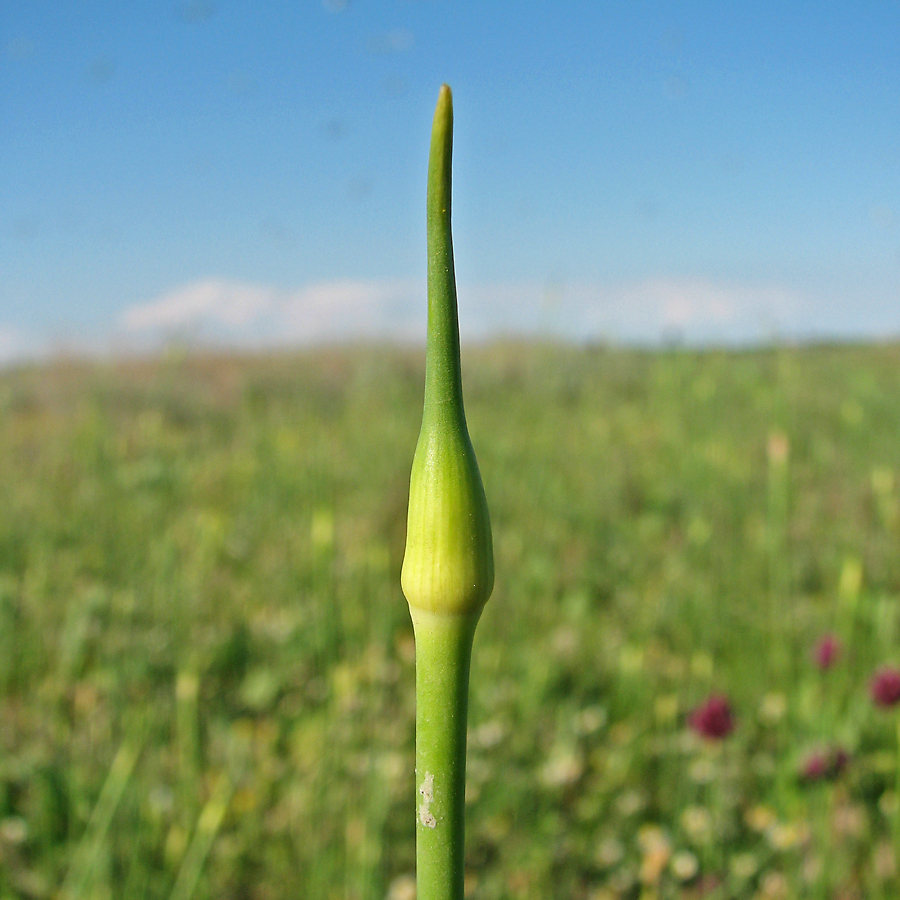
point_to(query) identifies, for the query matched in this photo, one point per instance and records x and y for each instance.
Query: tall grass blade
(208, 825)
(84, 859)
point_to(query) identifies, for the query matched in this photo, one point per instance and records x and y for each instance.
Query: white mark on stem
(426, 789)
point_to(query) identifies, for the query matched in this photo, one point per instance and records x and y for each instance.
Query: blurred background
(678, 258)
(225, 173)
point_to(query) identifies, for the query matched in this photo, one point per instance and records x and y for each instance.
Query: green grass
(206, 662)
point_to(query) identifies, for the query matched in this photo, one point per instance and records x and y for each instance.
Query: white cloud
(16, 346)
(213, 300)
(221, 311)
(698, 310)
(235, 313)
(694, 309)
(353, 309)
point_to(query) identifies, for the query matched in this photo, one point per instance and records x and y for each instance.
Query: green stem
(443, 654)
(896, 822)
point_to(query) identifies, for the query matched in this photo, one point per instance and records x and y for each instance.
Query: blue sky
(221, 171)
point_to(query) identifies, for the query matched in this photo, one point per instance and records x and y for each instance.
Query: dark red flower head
(885, 687)
(827, 652)
(840, 759)
(815, 767)
(713, 720)
(825, 765)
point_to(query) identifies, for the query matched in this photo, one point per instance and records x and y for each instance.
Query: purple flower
(840, 759)
(713, 720)
(827, 651)
(815, 768)
(825, 765)
(885, 687)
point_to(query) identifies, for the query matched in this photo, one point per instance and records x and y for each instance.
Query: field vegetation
(207, 665)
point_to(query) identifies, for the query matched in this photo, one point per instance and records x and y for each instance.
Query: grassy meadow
(207, 665)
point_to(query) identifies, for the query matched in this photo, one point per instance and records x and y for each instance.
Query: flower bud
(448, 567)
